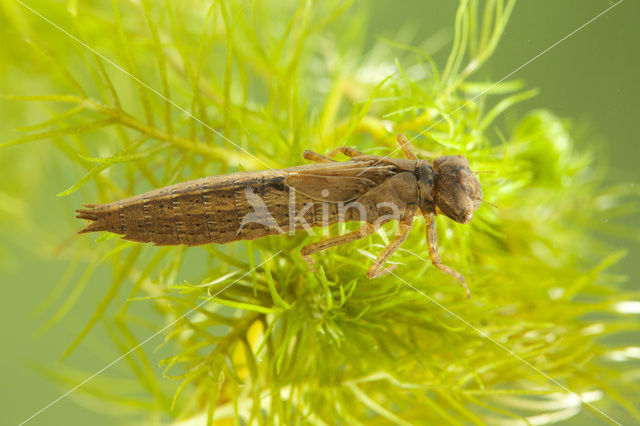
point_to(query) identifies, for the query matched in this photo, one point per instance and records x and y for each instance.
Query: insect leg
(377, 270)
(349, 152)
(316, 158)
(432, 244)
(307, 251)
(406, 148)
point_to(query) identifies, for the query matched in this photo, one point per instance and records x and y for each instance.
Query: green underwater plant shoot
(191, 330)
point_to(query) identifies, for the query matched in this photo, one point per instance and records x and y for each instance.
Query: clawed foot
(310, 261)
(376, 271)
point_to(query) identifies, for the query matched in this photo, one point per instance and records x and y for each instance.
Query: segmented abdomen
(217, 209)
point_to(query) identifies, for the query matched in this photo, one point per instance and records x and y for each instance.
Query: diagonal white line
(520, 67)
(77, 40)
(67, 393)
(480, 332)
(504, 78)
(500, 345)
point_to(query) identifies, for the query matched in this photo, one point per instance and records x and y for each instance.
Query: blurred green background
(590, 78)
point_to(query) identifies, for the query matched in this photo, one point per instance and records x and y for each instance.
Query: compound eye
(463, 177)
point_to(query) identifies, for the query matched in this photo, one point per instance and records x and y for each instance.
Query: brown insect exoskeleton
(250, 205)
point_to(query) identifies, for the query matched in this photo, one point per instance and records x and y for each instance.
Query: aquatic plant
(178, 91)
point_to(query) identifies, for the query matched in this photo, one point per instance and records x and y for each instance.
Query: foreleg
(432, 244)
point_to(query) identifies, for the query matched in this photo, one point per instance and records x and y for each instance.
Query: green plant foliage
(250, 333)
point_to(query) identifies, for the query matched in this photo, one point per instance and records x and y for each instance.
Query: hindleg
(406, 148)
(307, 251)
(316, 158)
(349, 152)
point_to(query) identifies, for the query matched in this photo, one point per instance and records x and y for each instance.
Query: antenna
(491, 204)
